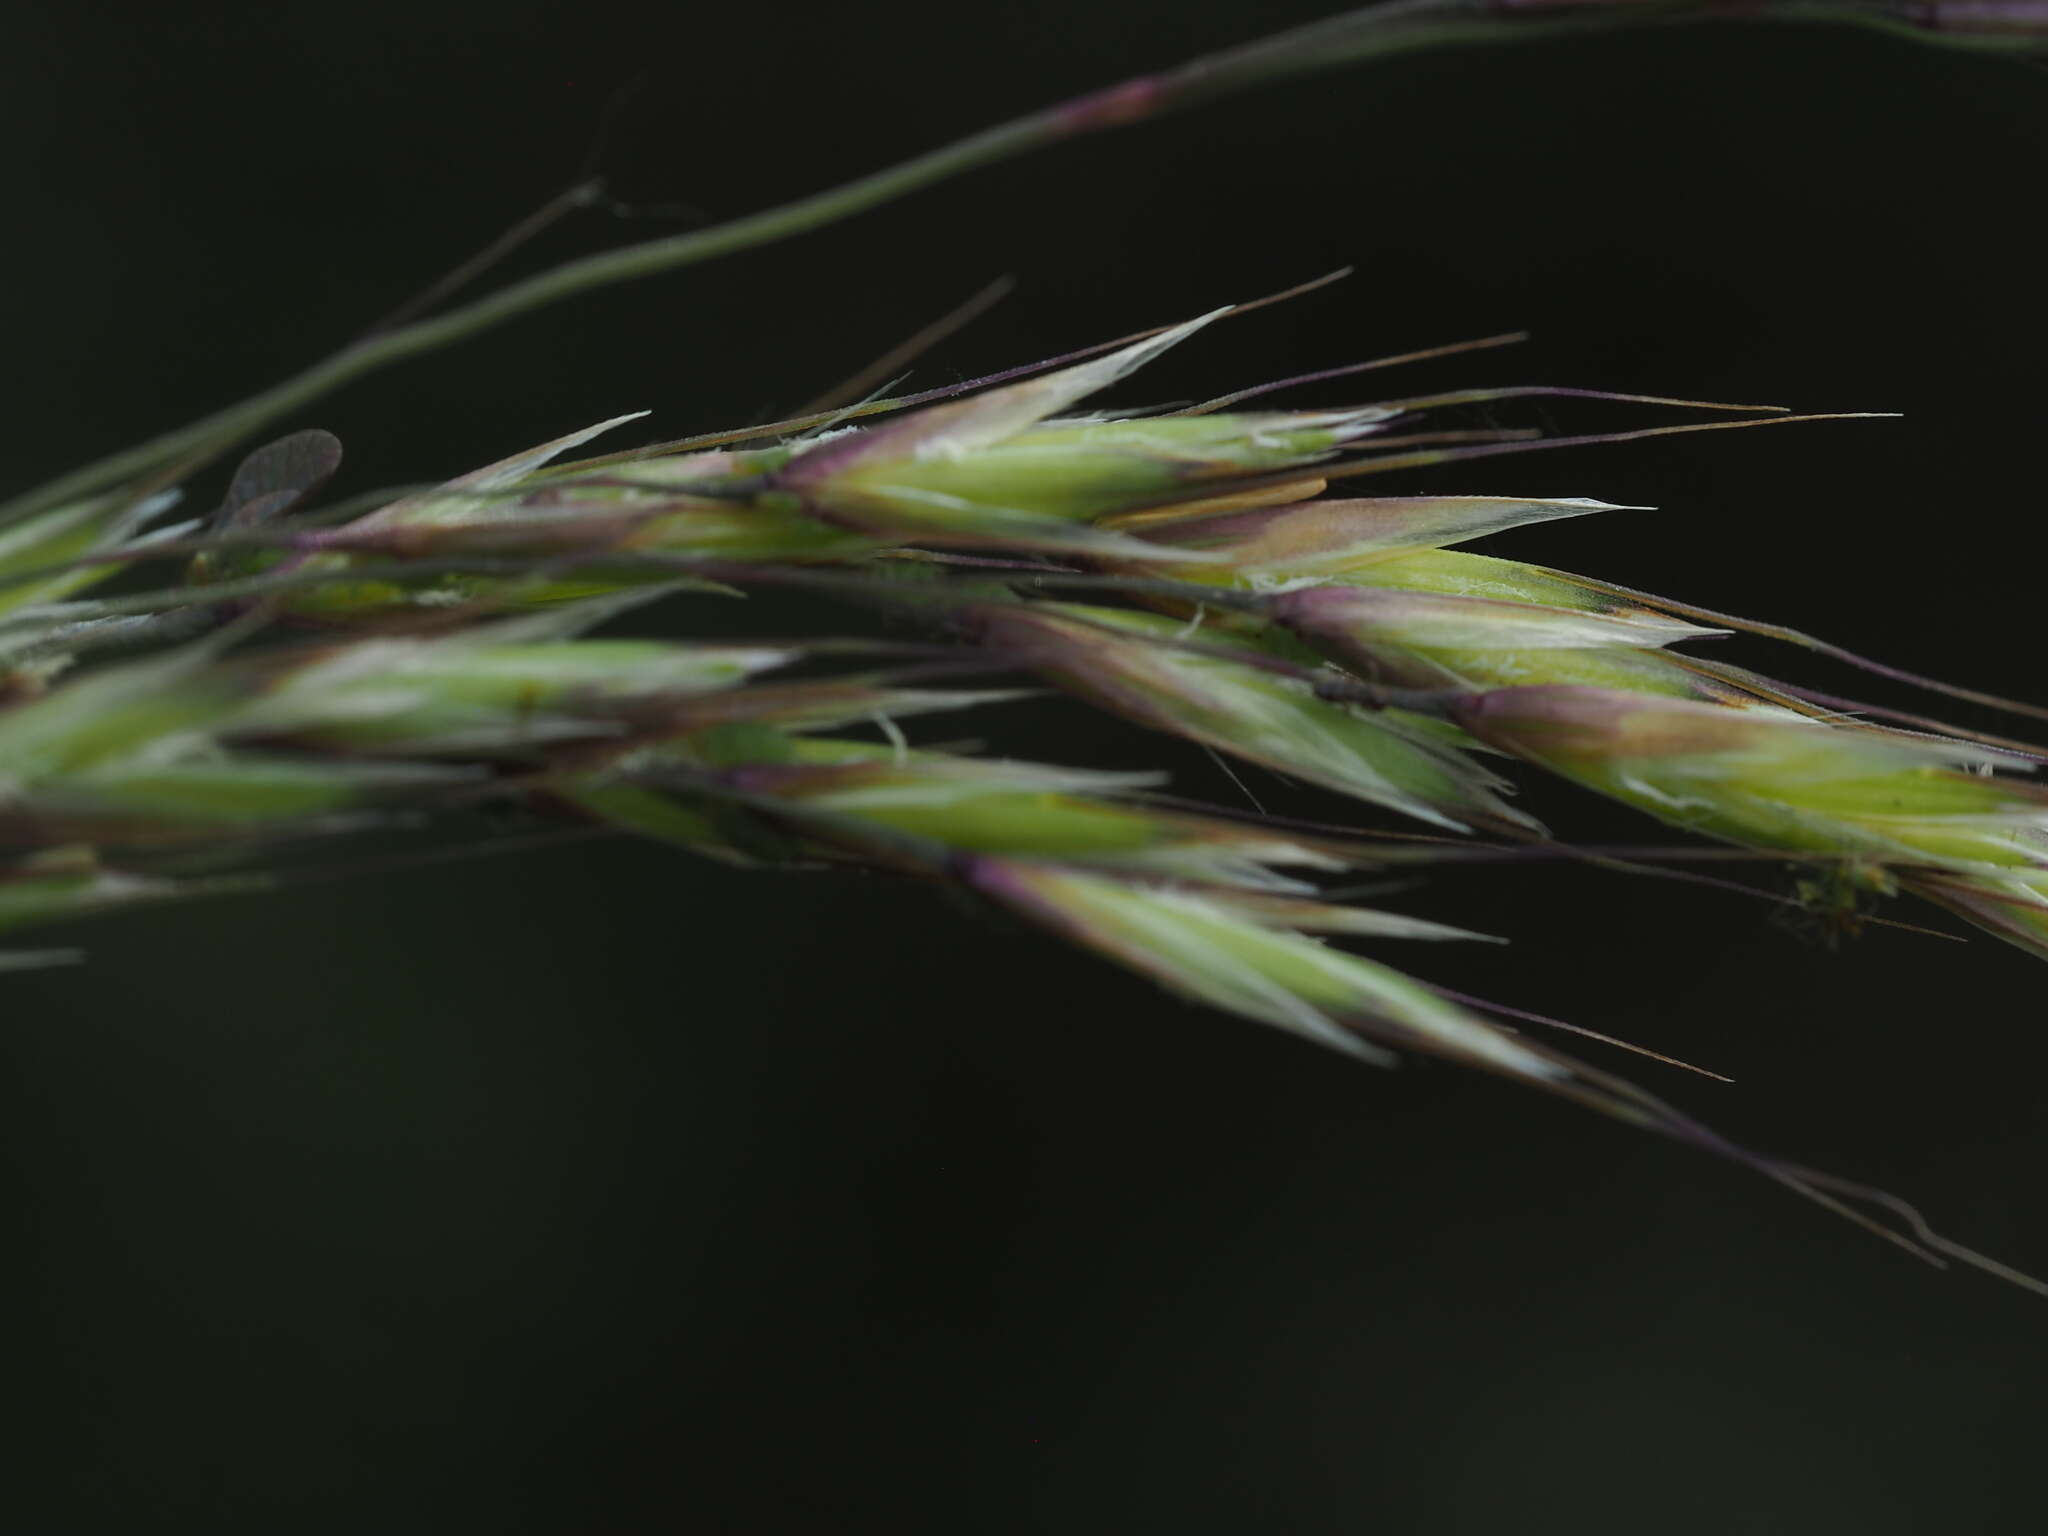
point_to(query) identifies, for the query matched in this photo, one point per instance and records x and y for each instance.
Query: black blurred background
(597, 1190)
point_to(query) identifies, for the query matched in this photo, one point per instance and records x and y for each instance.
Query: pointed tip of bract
(1054, 392)
(958, 427)
(451, 502)
(1126, 360)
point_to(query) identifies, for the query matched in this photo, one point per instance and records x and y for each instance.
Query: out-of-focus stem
(1348, 38)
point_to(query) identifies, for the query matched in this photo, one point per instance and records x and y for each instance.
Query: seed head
(1226, 695)
(1419, 639)
(1217, 949)
(998, 470)
(1772, 779)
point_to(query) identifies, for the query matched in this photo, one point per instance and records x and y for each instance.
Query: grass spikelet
(59, 542)
(1776, 781)
(1130, 663)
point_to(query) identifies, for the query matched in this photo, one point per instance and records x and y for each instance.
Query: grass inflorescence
(1183, 571)
(307, 673)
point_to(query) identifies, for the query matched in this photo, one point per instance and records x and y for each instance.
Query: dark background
(598, 1190)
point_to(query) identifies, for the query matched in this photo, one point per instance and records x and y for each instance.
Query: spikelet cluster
(1183, 571)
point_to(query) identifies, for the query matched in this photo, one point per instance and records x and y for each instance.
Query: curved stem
(1336, 41)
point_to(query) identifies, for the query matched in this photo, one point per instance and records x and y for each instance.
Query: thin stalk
(1349, 38)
